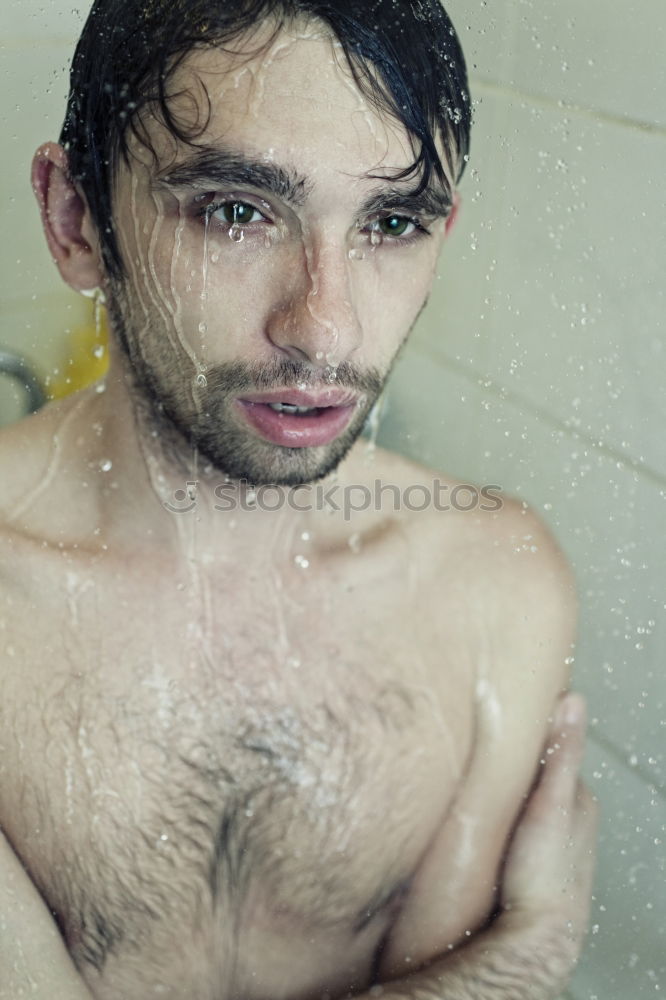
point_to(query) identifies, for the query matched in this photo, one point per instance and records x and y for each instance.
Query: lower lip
(292, 431)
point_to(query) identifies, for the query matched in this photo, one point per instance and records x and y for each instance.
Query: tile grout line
(561, 104)
(607, 745)
(522, 403)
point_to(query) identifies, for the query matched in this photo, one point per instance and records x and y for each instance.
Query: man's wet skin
(261, 754)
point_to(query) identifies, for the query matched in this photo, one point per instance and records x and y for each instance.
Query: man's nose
(315, 318)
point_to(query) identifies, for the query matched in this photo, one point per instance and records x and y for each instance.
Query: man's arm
(532, 947)
(33, 958)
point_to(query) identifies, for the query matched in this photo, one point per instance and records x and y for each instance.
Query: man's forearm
(503, 963)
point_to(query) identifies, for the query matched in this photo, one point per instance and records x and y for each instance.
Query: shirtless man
(251, 753)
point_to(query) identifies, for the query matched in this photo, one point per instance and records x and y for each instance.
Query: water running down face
(265, 270)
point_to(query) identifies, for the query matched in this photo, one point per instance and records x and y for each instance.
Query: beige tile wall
(36, 308)
(539, 366)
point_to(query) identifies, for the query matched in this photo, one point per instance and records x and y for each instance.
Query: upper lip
(298, 397)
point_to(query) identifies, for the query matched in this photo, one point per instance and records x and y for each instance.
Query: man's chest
(230, 794)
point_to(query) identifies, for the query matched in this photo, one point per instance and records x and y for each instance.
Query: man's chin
(263, 464)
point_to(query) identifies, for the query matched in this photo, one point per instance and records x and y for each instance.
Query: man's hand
(530, 950)
(549, 868)
(33, 959)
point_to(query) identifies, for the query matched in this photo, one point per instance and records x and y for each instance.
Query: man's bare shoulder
(495, 555)
(25, 448)
(37, 482)
(499, 531)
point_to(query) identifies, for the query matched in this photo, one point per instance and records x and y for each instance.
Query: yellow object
(86, 357)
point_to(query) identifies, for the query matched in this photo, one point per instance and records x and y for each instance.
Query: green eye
(238, 212)
(394, 225)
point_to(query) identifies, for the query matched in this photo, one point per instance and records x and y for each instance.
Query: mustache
(236, 377)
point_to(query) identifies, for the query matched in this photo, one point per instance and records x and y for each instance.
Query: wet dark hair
(404, 56)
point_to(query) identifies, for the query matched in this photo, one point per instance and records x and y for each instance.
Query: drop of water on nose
(302, 562)
(306, 536)
(236, 234)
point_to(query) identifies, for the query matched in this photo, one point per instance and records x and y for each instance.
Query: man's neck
(147, 490)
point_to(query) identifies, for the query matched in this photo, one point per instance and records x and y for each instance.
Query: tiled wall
(539, 365)
(36, 308)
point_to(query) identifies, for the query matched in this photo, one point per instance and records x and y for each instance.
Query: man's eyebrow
(213, 166)
(433, 201)
(220, 167)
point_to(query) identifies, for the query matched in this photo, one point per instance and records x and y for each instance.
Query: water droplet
(215, 257)
(356, 255)
(355, 543)
(201, 381)
(100, 351)
(106, 465)
(319, 356)
(236, 234)
(100, 387)
(302, 562)
(203, 328)
(376, 239)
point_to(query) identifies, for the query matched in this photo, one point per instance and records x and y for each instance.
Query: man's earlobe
(65, 219)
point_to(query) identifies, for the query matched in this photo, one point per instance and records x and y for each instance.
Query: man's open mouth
(297, 418)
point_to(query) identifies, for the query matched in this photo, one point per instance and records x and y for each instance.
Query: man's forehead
(297, 94)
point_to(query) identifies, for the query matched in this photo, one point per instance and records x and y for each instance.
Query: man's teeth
(287, 408)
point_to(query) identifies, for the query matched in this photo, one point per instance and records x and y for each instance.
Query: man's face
(264, 266)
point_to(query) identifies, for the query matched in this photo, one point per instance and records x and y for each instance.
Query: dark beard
(192, 420)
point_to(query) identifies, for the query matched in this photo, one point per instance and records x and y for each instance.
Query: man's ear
(453, 215)
(70, 234)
